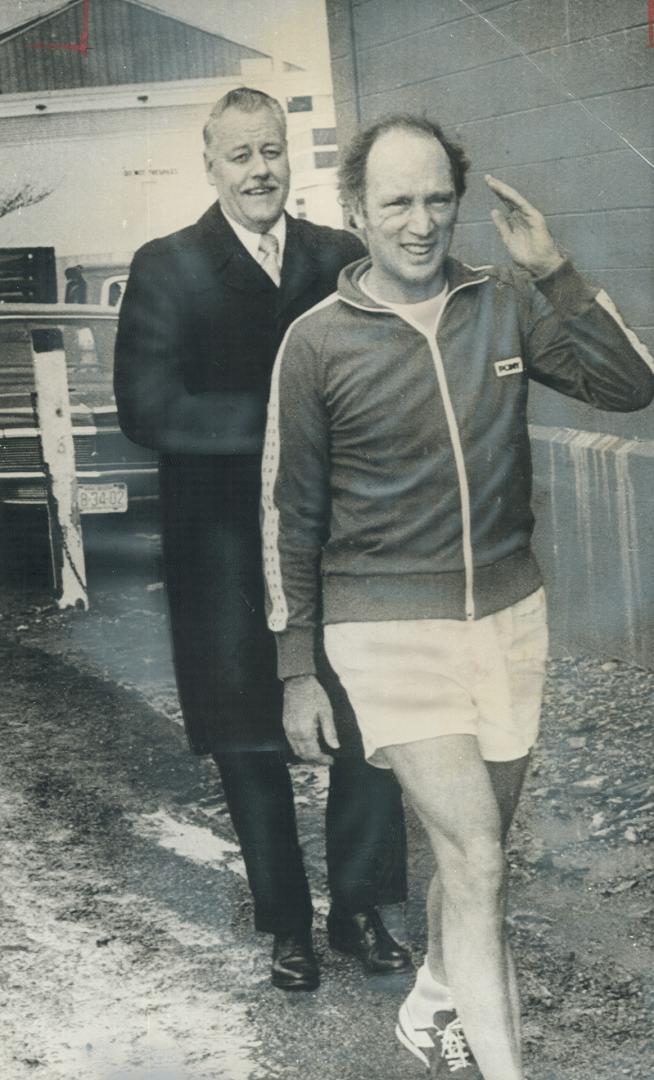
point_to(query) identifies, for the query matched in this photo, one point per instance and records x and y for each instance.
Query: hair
(352, 171)
(247, 100)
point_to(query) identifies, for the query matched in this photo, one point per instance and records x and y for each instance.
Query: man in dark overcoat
(204, 313)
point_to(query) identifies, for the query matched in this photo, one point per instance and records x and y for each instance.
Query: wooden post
(53, 412)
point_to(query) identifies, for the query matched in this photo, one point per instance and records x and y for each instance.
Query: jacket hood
(349, 280)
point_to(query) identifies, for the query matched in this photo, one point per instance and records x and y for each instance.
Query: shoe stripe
(418, 1036)
(415, 1050)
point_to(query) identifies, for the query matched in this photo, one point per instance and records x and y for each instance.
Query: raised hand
(307, 715)
(523, 230)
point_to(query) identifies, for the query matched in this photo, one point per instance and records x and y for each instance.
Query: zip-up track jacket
(397, 470)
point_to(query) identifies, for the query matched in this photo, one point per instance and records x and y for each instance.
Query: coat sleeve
(578, 344)
(295, 502)
(155, 409)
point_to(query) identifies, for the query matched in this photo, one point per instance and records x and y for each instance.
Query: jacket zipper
(455, 439)
(459, 460)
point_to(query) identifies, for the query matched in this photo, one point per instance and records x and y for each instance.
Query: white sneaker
(442, 1047)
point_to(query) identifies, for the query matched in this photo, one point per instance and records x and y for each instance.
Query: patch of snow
(200, 845)
(75, 1011)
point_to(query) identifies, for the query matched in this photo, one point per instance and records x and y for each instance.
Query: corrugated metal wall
(555, 97)
(128, 45)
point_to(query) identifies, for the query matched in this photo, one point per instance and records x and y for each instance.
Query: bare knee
(473, 873)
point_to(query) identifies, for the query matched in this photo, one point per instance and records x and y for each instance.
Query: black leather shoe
(363, 934)
(294, 965)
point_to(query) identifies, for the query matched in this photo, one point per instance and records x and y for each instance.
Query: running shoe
(442, 1047)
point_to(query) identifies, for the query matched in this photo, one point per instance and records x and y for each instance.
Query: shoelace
(455, 1049)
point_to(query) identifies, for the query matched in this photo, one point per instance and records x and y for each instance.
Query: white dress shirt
(250, 240)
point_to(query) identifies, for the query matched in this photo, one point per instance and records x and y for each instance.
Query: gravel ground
(126, 932)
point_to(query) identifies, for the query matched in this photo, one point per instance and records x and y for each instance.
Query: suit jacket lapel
(236, 266)
(299, 268)
(239, 270)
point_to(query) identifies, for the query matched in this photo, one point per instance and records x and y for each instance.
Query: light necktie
(269, 256)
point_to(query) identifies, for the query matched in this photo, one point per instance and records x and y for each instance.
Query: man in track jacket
(396, 515)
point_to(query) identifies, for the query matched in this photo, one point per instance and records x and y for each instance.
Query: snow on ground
(102, 1008)
(201, 845)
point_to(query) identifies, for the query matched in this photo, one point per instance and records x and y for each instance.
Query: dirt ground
(126, 940)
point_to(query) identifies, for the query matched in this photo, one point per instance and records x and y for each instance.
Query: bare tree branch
(20, 197)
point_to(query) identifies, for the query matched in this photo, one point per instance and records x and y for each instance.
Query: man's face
(408, 215)
(247, 163)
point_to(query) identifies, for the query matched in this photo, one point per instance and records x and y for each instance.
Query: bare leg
(507, 778)
(450, 788)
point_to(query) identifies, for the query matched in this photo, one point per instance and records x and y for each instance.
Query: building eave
(150, 95)
(36, 20)
(154, 10)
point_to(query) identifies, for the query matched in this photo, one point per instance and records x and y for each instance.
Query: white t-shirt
(424, 312)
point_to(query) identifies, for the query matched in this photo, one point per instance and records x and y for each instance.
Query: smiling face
(408, 216)
(247, 162)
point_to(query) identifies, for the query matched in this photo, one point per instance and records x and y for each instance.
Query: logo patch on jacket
(512, 366)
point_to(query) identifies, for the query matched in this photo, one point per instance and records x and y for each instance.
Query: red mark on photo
(82, 46)
(650, 23)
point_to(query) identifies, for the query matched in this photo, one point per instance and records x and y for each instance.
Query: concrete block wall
(555, 97)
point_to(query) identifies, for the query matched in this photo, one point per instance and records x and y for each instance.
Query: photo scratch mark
(246, 601)
(568, 93)
(650, 23)
(82, 46)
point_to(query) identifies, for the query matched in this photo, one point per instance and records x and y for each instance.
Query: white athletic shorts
(418, 679)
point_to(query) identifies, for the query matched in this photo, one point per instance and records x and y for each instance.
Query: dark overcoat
(199, 329)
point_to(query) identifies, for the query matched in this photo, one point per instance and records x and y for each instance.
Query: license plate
(102, 498)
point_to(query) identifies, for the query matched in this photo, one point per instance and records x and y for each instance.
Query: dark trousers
(365, 837)
(225, 663)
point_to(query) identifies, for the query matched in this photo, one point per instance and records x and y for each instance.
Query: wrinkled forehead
(408, 162)
(236, 127)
